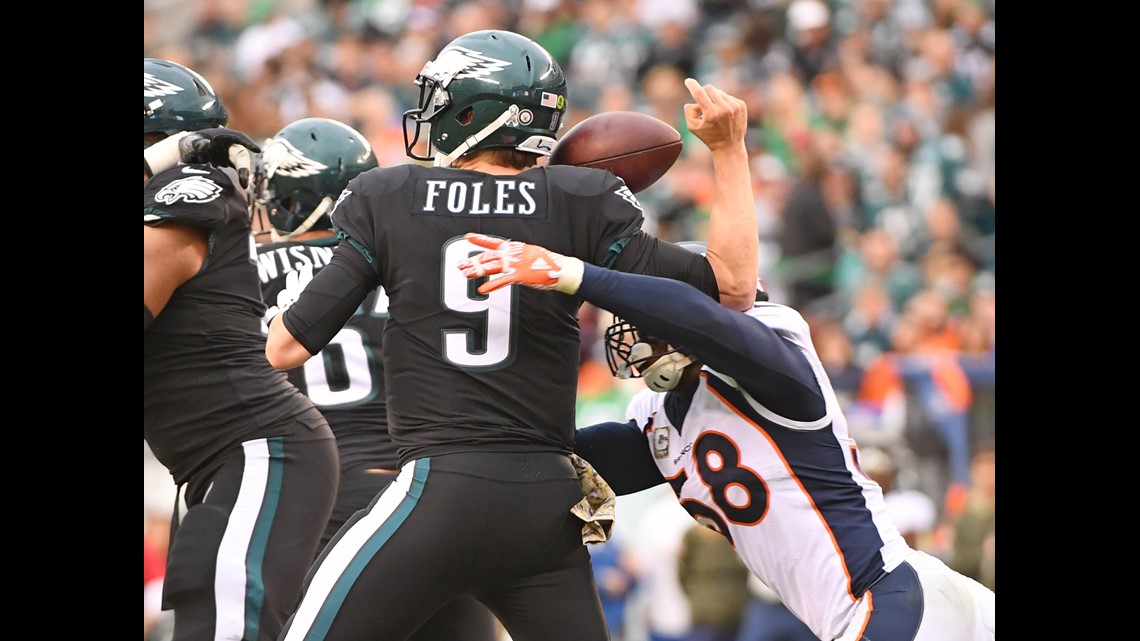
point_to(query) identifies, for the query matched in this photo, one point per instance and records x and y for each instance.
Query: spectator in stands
(808, 243)
(814, 45)
(660, 532)
(768, 619)
(974, 532)
(912, 510)
(157, 624)
(616, 574)
(715, 582)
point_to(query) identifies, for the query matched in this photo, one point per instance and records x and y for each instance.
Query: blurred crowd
(872, 141)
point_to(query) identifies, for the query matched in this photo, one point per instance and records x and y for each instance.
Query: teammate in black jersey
(481, 389)
(257, 461)
(302, 170)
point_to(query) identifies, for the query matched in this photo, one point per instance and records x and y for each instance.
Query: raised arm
(720, 121)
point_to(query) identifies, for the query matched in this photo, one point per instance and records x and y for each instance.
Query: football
(636, 147)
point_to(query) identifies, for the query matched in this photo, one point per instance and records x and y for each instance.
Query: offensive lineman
(256, 459)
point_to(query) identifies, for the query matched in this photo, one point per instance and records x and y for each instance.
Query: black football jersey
(207, 385)
(495, 372)
(346, 379)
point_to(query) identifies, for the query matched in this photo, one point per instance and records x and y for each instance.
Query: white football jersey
(788, 495)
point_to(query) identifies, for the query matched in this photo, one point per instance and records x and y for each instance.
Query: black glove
(221, 147)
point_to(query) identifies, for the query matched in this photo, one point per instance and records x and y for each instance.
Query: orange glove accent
(483, 264)
(518, 262)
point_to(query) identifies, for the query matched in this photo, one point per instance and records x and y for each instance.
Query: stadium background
(872, 137)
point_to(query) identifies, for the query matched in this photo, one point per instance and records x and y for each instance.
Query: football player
(298, 177)
(169, 111)
(481, 389)
(741, 421)
(254, 456)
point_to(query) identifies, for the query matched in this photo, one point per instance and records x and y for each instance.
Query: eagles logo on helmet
(304, 161)
(176, 98)
(487, 89)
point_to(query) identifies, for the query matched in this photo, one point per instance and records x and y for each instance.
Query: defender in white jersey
(742, 422)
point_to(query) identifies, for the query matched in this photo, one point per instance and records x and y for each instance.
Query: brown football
(636, 147)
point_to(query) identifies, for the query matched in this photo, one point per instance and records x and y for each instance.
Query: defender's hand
(221, 147)
(516, 262)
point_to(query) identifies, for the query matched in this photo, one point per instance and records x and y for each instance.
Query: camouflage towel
(597, 508)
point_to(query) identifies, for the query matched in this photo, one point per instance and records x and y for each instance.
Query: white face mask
(664, 374)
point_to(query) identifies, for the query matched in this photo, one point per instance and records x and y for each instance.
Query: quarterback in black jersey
(481, 389)
(256, 459)
(302, 170)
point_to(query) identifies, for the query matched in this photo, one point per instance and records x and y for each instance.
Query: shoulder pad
(584, 181)
(195, 194)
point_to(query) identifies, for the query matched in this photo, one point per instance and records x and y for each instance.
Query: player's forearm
(321, 310)
(282, 349)
(619, 453)
(733, 237)
(679, 314)
(767, 366)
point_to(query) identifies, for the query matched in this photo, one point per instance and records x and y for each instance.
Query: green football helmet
(176, 98)
(303, 168)
(487, 89)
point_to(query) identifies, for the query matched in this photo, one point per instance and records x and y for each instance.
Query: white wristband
(570, 276)
(163, 154)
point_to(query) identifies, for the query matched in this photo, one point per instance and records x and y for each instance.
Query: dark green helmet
(178, 99)
(303, 169)
(488, 89)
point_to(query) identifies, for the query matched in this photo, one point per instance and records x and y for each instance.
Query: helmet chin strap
(445, 160)
(308, 223)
